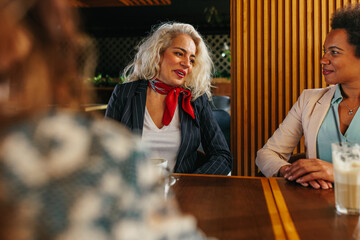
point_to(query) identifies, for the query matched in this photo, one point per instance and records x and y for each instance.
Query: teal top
(328, 131)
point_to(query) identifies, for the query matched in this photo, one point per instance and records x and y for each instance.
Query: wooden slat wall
(276, 49)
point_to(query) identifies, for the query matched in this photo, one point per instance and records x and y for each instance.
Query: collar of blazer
(140, 101)
(319, 112)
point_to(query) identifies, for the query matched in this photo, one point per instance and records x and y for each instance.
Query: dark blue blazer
(127, 105)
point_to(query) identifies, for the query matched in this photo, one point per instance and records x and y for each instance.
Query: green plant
(107, 81)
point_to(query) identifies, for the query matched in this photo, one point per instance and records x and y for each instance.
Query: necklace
(351, 111)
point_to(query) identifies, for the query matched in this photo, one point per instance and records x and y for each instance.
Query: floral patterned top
(73, 177)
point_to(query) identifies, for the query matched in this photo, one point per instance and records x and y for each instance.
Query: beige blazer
(304, 118)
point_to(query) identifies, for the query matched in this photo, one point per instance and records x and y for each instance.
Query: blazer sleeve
(278, 149)
(213, 141)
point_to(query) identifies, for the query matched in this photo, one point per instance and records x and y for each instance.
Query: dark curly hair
(348, 18)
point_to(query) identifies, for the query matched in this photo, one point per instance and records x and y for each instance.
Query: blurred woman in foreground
(321, 115)
(62, 174)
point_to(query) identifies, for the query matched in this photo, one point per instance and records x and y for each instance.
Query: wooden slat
(266, 120)
(252, 81)
(287, 53)
(302, 45)
(246, 88)
(339, 4)
(280, 62)
(155, 2)
(294, 50)
(273, 55)
(259, 79)
(310, 44)
(317, 45)
(127, 2)
(236, 73)
(143, 2)
(324, 23)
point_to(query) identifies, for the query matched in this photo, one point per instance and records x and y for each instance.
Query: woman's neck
(155, 95)
(352, 93)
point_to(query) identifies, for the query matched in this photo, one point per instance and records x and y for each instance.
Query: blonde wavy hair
(146, 64)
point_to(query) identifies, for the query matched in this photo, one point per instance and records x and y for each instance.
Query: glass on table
(166, 180)
(346, 162)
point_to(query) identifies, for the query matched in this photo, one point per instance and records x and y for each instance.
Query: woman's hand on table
(319, 183)
(314, 172)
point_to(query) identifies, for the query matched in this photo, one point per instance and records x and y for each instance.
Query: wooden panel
(276, 48)
(221, 88)
(253, 73)
(259, 130)
(266, 75)
(236, 106)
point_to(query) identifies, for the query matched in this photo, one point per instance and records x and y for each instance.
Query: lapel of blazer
(320, 109)
(183, 125)
(138, 107)
(186, 126)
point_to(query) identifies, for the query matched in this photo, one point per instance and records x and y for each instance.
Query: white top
(165, 142)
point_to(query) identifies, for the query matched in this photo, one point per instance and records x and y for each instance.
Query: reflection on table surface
(229, 207)
(261, 208)
(312, 212)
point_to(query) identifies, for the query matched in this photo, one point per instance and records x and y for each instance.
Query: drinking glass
(346, 163)
(166, 180)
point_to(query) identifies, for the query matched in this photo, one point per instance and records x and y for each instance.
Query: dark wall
(207, 16)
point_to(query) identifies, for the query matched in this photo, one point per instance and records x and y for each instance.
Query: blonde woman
(165, 100)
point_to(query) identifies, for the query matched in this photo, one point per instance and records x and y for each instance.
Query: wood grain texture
(228, 207)
(313, 212)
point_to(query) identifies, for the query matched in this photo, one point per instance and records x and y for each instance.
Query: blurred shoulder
(69, 140)
(201, 100)
(311, 96)
(131, 86)
(115, 136)
(318, 92)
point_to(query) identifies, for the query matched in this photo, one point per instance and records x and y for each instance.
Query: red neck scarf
(171, 99)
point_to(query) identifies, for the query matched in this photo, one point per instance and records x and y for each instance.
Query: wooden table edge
(286, 219)
(208, 175)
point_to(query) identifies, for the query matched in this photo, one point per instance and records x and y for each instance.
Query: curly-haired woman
(317, 111)
(165, 100)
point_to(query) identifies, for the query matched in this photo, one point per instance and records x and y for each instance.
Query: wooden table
(310, 214)
(230, 207)
(260, 208)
